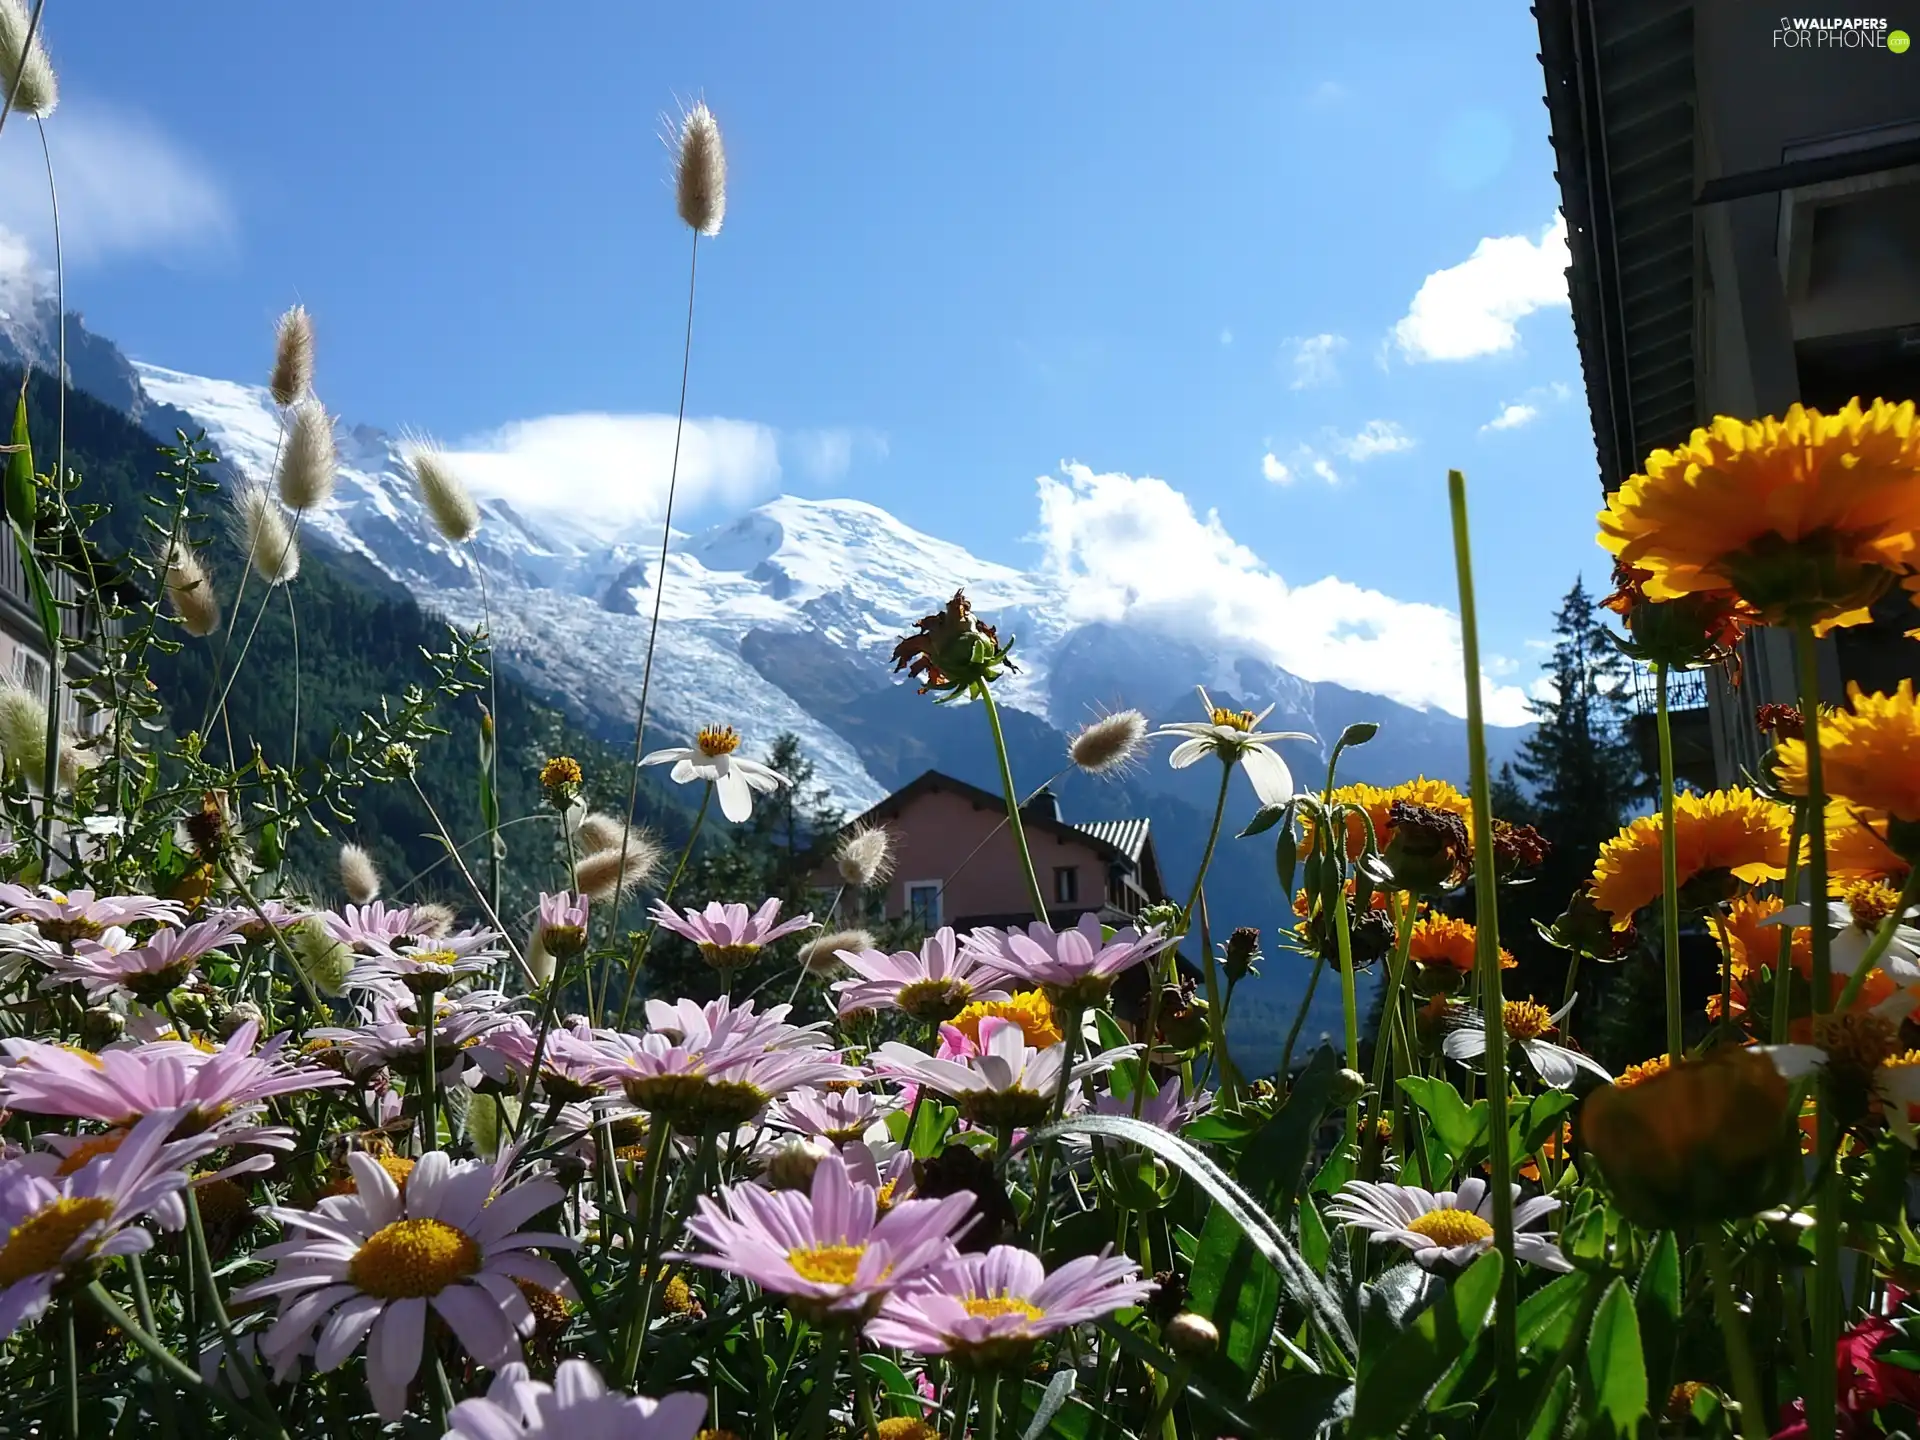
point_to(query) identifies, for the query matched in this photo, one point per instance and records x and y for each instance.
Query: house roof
(1620, 96)
(1111, 839)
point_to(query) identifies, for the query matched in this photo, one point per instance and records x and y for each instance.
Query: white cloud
(1134, 550)
(1275, 469)
(826, 455)
(1325, 471)
(1376, 437)
(614, 468)
(1226, 337)
(125, 188)
(1313, 360)
(1469, 309)
(1512, 417)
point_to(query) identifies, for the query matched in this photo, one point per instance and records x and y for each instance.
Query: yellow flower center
(728, 957)
(398, 1168)
(1871, 902)
(1451, 1227)
(412, 1259)
(1643, 1071)
(442, 958)
(715, 740)
(1029, 1009)
(1527, 1019)
(87, 1149)
(1241, 720)
(559, 772)
(883, 1197)
(1905, 1060)
(993, 1307)
(905, 1427)
(827, 1264)
(39, 1242)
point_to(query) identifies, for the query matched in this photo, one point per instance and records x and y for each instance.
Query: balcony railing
(1686, 690)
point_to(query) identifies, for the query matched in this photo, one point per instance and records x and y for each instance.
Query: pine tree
(1584, 772)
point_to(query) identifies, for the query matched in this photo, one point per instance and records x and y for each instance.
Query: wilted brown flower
(951, 649)
(1430, 850)
(1517, 848)
(1783, 722)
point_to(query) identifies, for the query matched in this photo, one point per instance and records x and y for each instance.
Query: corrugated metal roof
(1127, 836)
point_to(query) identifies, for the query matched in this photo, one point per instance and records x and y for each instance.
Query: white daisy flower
(711, 757)
(371, 1263)
(1235, 736)
(1855, 920)
(577, 1405)
(1528, 1022)
(1862, 1051)
(1447, 1228)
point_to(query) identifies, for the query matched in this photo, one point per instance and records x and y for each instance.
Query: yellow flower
(1856, 849)
(562, 772)
(1029, 1009)
(1443, 940)
(1643, 1071)
(1732, 831)
(1377, 801)
(1869, 753)
(1806, 518)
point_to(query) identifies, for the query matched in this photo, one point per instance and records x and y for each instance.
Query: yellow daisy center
(398, 1168)
(560, 771)
(1527, 1019)
(434, 957)
(412, 1259)
(827, 1264)
(1241, 720)
(1451, 1227)
(1029, 1009)
(716, 740)
(994, 1307)
(1643, 1071)
(883, 1198)
(1870, 902)
(1905, 1060)
(87, 1149)
(905, 1427)
(39, 1242)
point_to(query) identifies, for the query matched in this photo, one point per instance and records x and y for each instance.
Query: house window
(1066, 884)
(30, 671)
(923, 904)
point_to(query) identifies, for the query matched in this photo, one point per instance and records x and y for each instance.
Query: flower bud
(1243, 953)
(1191, 1336)
(952, 649)
(243, 1012)
(793, 1164)
(1348, 1086)
(1702, 1142)
(1429, 852)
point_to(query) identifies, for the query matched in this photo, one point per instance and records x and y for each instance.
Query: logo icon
(1897, 42)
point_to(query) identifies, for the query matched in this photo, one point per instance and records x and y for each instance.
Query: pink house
(955, 864)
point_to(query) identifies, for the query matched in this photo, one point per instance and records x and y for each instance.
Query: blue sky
(962, 248)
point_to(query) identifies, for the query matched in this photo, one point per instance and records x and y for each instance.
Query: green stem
(170, 1363)
(1733, 1332)
(863, 1397)
(659, 1141)
(1390, 1005)
(1299, 1019)
(985, 695)
(1213, 838)
(70, 1347)
(960, 1397)
(1669, 872)
(666, 898)
(825, 1385)
(1782, 990)
(548, 1004)
(1487, 932)
(1349, 1003)
(990, 1409)
(493, 916)
(429, 1009)
(1216, 1011)
(1821, 1397)
(1074, 1017)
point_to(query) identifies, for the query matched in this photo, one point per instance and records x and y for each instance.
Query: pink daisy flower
(837, 1115)
(991, 1309)
(120, 1086)
(369, 927)
(427, 966)
(65, 916)
(727, 935)
(830, 1252)
(255, 925)
(1076, 967)
(934, 983)
(371, 1264)
(702, 1091)
(58, 1224)
(395, 1037)
(577, 1405)
(567, 1064)
(1007, 1084)
(113, 964)
(723, 1025)
(563, 923)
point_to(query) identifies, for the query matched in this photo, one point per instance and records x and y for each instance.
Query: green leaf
(935, 1121)
(1656, 1301)
(1358, 733)
(1266, 1236)
(1554, 1409)
(1059, 1388)
(1396, 1378)
(1539, 1118)
(1264, 819)
(1276, 1161)
(1240, 1296)
(21, 496)
(1459, 1129)
(893, 1380)
(1542, 1323)
(1296, 1405)
(1286, 856)
(1616, 1368)
(43, 602)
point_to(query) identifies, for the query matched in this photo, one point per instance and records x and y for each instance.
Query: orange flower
(1856, 849)
(1869, 752)
(1807, 518)
(1443, 940)
(1378, 801)
(1727, 831)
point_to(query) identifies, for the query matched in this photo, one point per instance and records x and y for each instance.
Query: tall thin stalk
(985, 696)
(634, 961)
(1789, 887)
(26, 49)
(1486, 917)
(659, 590)
(1669, 870)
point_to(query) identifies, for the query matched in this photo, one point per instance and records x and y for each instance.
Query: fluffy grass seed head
(25, 69)
(191, 591)
(449, 503)
(1108, 745)
(260, 528)
(309, 461)
(23, 728)
(864, 856)
(326, 961)
(292, 374)
(601, 876)
(359, 876)
(700, 171)
(595, 832)
(821, 955)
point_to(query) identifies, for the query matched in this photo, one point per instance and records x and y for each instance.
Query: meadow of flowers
(283, 1159)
